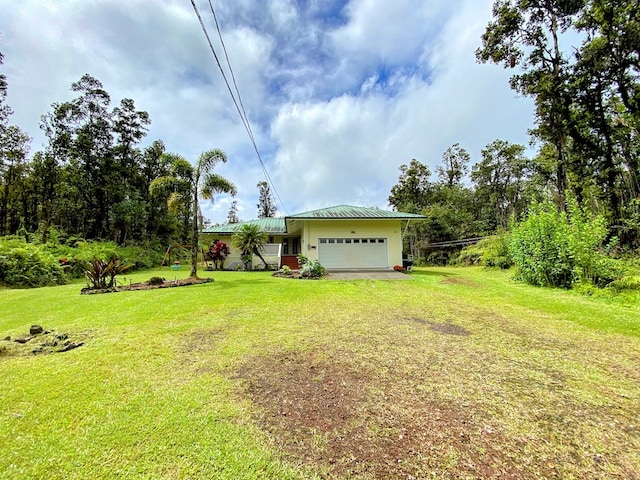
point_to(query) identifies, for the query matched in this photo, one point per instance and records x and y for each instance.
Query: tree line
(578, 59)
(587, 99)
(93, 180)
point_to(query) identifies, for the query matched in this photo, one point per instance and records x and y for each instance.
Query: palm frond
(213, 183)
(181, 168)
(177, 200)
(209, 158)
(165, 185)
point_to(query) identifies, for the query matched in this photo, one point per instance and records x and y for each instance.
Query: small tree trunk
(194, 236)
(257, 252)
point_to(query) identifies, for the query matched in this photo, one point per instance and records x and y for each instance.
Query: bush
(312, 269)
(488, 252)
(27, 265)
(101, 274)
(61, 258)
(559, 249)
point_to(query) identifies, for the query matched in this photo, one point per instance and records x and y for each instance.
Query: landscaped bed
(459, 373)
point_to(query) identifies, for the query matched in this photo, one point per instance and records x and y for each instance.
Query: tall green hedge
(561, 249)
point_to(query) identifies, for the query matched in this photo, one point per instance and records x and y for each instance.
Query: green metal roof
(267, 225)
(351, 212)
(276, 226)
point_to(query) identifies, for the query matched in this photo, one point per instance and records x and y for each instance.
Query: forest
(94, 179)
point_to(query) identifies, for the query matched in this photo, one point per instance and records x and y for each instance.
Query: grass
(456, 373)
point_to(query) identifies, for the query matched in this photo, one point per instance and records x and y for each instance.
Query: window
(323, 240)
(347, 240)
(339, 240)
(332, 240)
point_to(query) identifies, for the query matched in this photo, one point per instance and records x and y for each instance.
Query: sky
(339, 93)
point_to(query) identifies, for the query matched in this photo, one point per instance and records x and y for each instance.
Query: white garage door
(353, 252)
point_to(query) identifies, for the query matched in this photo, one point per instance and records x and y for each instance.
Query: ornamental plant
(218, 252)
(101, 274)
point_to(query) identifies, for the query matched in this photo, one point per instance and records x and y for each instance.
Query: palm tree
(199, 182)
(249, 240)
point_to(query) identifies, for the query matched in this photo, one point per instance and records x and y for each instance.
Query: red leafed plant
(218, 252)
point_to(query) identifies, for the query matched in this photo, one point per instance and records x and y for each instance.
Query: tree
(5, 111)
(411, 193)
(232, 216)
(528, 33)
(266, 203)
(81, 138)
(187, 184)
(250, 240)
(500, 180)
(455, 165)
(209, 184)
(14, 147)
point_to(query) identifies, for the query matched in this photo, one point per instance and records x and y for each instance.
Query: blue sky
(339, 93)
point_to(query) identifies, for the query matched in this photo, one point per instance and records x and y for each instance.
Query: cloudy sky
(339, 93)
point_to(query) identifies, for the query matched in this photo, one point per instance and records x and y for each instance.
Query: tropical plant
(312, 269)
(188, 183)
(218, 253)
(27, 265)
(250, 240)
(101, 274)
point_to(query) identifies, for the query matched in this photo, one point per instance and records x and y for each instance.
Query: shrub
(302, 260)
(559, 249)
(312, 269)
(489, 252)
(27, 265)
(101, 274)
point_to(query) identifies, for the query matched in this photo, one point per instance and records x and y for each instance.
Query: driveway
(367, 275)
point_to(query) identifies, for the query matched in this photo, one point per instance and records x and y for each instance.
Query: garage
(348, 253)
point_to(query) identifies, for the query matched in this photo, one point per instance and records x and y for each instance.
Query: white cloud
(338, 97)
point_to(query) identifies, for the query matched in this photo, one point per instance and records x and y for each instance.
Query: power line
(239, 108)
(246, 118)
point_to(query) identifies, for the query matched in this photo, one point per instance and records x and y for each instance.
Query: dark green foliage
(561, 249)
(64, 258)
(489, 252)
(27, 265)
(101, 274)
(266, 202)
(249, 240)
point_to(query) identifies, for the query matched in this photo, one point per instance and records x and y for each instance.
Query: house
(341, 237)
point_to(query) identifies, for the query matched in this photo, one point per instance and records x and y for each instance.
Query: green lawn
(456, 373)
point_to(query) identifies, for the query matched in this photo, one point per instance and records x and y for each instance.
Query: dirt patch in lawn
(343, 420)
(445, 328)
(459, 281)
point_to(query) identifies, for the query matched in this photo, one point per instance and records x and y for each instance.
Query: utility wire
(241, 110)
(246, 118)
